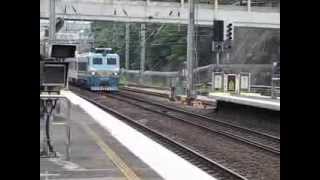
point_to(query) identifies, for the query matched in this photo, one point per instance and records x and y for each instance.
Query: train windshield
(97, 61)
(111, 61)
(102, 51)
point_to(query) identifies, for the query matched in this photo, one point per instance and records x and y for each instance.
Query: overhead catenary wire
(151, 39)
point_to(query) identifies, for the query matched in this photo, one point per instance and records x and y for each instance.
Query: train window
(111, 61)
(97, 61)
(82, 66)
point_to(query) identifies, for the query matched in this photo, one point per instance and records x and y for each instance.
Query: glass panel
(97, 61)
(111, 61)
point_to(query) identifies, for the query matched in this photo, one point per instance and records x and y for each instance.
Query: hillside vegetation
(166, 45)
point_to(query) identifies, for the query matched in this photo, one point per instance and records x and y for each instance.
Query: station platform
(105, 148)
(247, 99)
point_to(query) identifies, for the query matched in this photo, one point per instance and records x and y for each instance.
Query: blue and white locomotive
(97, 70)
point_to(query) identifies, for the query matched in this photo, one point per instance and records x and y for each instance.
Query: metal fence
(265, 90)
(260, 78)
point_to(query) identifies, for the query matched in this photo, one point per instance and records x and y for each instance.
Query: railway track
(198, 159)
(251, 137)
(163, 95)
(260, 131)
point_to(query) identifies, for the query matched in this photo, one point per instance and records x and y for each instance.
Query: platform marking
(68, 165)
(124, 168)
(46, 175)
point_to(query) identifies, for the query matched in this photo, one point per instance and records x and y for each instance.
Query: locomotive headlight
(93, 73)
(115, 73)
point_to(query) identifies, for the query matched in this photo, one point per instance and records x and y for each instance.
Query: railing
(92, 11)
(235, 3)
(265, 90)
(260, 74)
(203, 74)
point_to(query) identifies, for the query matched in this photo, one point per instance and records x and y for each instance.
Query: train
(97, 70)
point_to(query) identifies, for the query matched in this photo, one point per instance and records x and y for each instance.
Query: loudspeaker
(53, 74)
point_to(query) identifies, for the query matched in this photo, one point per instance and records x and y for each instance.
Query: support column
(127, 45)
(143, 50)
(228, 57)
(190, 50)
(249, 5)
(215, 6)
(52, 21)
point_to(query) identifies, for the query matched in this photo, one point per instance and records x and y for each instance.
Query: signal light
(230, 31)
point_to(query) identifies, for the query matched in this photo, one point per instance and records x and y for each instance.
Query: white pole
(215, 9)
(190, 50)
(143, 50)
(127, 45)
(52, 21)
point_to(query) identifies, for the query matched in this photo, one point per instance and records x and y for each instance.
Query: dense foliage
(166, 45)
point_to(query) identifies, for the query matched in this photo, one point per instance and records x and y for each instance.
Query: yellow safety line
(128, 173)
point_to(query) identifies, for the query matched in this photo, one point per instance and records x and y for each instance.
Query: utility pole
(114, 42)
(127, 45)
(228, 57)
(249, 5)
(190, 50)
(215, 8)
(182, 3)
(218, 56)
(143, 50)
(217, 44)
(52, 21)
